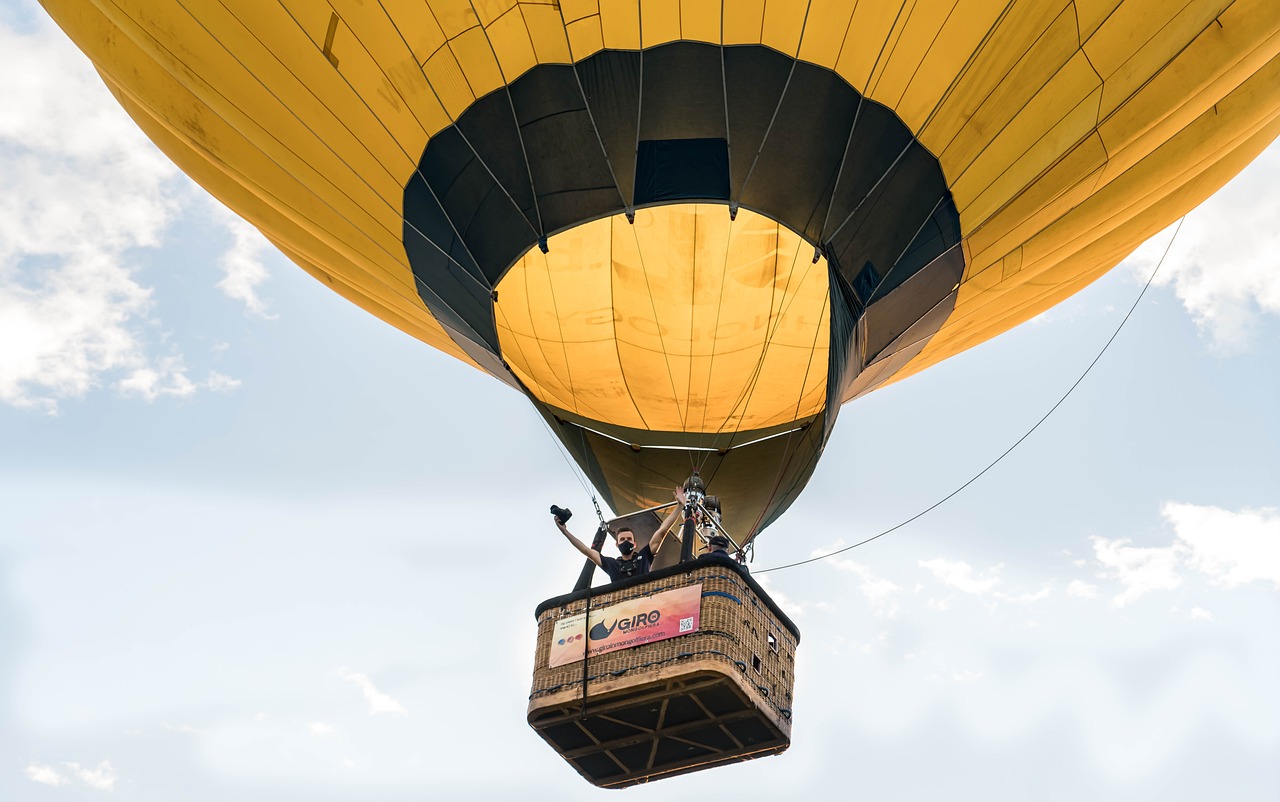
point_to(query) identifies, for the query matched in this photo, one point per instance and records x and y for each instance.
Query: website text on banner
(630, 623)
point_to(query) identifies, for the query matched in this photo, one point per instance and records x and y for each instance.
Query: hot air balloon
(690, 230)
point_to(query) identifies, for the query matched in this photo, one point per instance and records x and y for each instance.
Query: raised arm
(590, 553)
(665, 526)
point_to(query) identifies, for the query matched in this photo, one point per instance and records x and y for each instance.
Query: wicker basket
(718, 695)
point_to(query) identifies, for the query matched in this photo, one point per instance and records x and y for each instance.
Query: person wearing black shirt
(633, 561)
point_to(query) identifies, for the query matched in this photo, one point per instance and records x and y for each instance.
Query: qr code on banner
(686, 624)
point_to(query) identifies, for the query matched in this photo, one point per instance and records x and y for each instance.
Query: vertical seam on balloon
(831, 199)
(936, 36)
(969, 62)
(724, 96)
(573, 64)
(448, 43)
(515, 118)
(812, 349)
(744, 399)
(724, 272)
(662, 343)
(795, 59)
(613, 301)
(323, 142)
(866, 88)
(871, 296)
(892, 167)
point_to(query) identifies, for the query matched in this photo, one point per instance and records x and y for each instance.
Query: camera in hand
(562, 515)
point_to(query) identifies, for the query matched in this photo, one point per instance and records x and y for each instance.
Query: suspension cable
(1016, 443)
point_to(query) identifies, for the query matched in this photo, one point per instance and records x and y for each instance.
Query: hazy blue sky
(257, 545)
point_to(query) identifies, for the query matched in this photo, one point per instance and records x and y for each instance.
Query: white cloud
(1140, 569)
(242, 267)
(880, 593)
(320, 728)
(1226, 281)
(378, 701)
(1201, 614)
(102, 778)
(48, 775)
(84, 189)
(1082, 590)
(1232, 548)
(960, 575)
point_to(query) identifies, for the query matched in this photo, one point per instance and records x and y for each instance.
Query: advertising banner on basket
(634, 622)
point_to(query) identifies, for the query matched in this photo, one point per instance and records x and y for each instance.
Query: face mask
(626, 547)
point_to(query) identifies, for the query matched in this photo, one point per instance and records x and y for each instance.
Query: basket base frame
(681, 719)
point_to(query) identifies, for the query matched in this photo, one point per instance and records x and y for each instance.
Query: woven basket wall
(732, 638)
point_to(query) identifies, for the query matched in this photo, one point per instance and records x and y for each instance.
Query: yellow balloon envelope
(690, 230)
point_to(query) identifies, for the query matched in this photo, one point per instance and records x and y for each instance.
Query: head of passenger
(626, 542)
(717, 544)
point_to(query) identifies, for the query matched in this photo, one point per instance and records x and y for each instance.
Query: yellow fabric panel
(983, 96)
(1100, 232)
(476, 58)
(783, 25)
(305, 87)
(454, 16)
(1210, 67)
(574, 10)
(916, 34)
(512, 44)
(700, 20)
(1090, 14)
(354, 65)
(620, 25)
(547, 32)
(1157, 28)
(682, 321)
(659, 21)
(957, 44)
(448, 83)
(1058, 101)
(1004, 82)
(865, 42)
(585, 37)
(1042, 203)
(825, 31)
(415, 22)
(1194, 22)
(743, 26)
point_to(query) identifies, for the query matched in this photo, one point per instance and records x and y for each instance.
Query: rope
(1016, 443)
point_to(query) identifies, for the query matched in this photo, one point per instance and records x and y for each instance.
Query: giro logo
(638, 621)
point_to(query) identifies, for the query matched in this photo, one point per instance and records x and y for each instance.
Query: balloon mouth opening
(681, 318)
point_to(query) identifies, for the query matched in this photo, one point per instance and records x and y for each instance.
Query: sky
(257, 544)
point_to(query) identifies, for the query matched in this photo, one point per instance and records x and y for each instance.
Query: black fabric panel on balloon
(842, 170)
(455, 298)
(683, 95)
(883, 227)
(682, 169)
(801, 157)
(611, 83)
(939, 233)
(877, 140)
(463, 186)
(570, 172)
(490, 128)
(843, 362)
(893, 314)
(754, 78)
